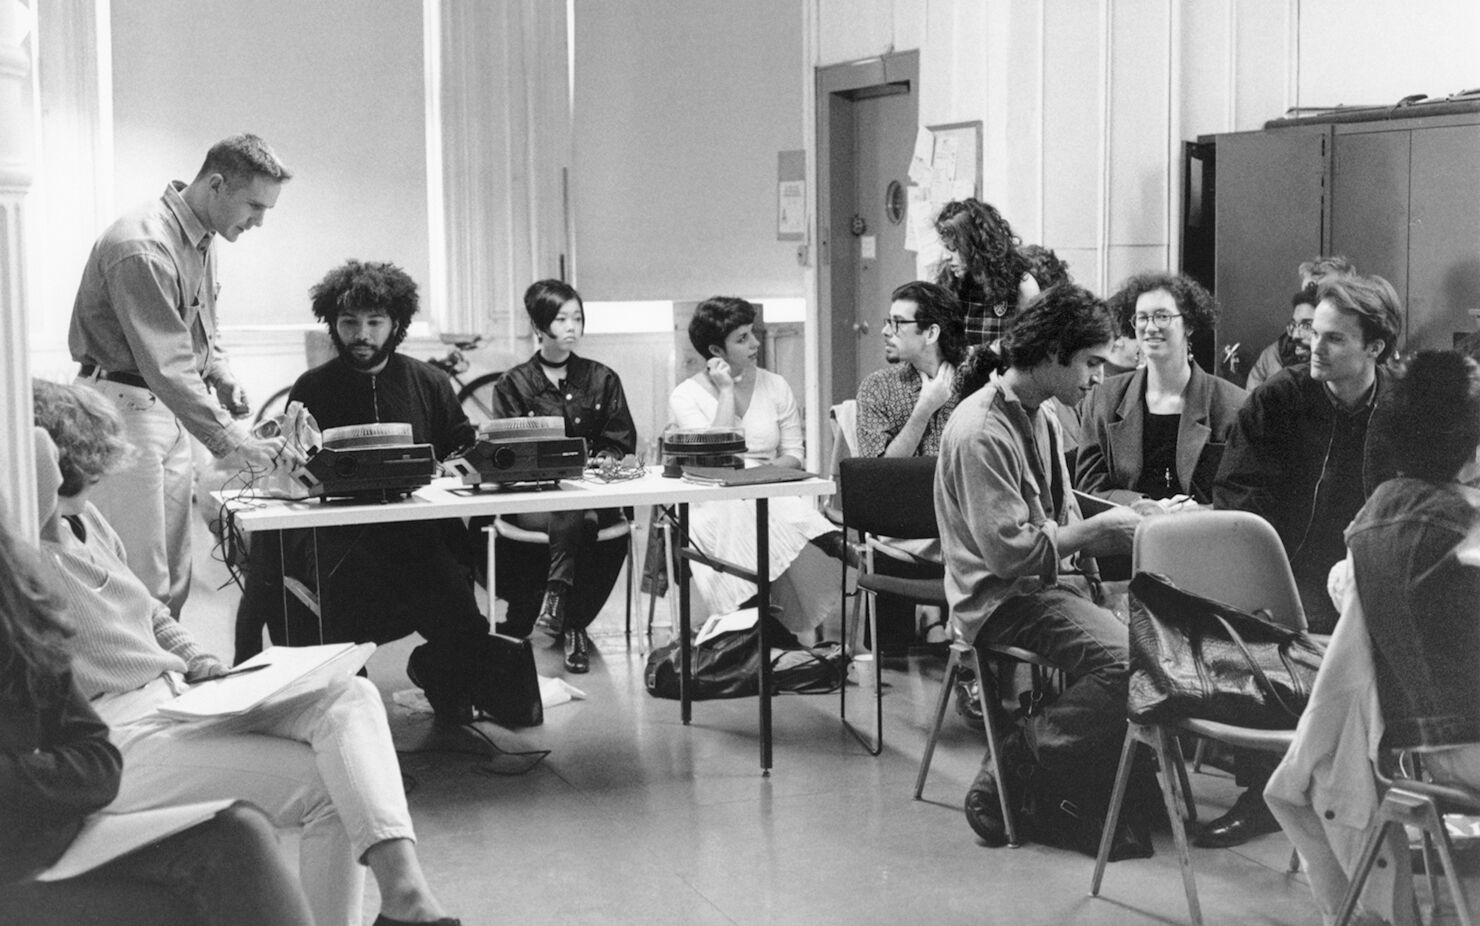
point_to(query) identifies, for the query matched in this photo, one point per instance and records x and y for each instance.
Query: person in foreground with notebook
(326, 765)
(732, 391)
(57, 767)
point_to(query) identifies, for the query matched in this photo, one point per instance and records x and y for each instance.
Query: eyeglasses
(1159, 319)
(892, 322)
(1304, 324)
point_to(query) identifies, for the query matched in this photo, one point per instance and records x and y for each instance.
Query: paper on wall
(924, 154)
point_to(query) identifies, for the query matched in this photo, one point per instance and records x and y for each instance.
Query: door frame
(844, 83)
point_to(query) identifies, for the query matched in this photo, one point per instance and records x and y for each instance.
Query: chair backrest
(892, 497)
(842, 422)
(1232, 556)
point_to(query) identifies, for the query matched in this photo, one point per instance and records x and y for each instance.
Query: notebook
(291, 672)
(755, 475)
(1091, 505)
(107, 836)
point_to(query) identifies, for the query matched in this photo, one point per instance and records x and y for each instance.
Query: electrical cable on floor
(494, 753)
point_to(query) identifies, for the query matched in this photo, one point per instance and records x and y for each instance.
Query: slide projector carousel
(520, 451)
(368, 462)
(680, 447)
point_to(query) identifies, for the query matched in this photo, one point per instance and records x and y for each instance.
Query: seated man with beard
(383, 581)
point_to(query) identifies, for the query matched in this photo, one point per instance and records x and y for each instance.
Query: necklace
(555, 365)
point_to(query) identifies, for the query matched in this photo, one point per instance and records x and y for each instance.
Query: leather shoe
(984, 811)
(577, 651)
(1249, 817)
(383, 920)
(551, 618)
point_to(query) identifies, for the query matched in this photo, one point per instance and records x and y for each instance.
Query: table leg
(321, 588)
(283, 580)
(763, 602)
(685, 652)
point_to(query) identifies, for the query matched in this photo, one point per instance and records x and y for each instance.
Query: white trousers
(328, 766)
(148, 500)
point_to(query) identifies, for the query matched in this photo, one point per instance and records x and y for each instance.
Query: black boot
(577, 651)
(552, 610)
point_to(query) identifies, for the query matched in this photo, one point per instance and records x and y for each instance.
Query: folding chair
(1237, 558)
(1409, 801)
(882, 498)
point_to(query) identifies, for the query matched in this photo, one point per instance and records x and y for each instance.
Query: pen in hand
(241, 671)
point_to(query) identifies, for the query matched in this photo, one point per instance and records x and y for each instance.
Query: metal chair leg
(1177, 800)
(953, 666)
(631, 562)
(1370, 847)
(994, 747)
(1117, 797)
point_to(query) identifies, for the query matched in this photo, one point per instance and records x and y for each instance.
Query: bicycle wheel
(276, 404)
(476, 398)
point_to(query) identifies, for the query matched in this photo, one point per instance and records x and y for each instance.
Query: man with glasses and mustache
(1290, 348)
(903, 408)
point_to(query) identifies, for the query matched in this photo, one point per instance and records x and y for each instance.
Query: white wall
(1085, 104)
(335, 86)
(680, 109)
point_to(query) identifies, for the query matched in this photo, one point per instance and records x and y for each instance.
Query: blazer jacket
(1109, 461)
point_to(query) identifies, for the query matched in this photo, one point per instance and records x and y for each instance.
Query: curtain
(499, 113)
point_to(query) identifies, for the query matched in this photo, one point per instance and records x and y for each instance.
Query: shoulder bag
(1196, 658)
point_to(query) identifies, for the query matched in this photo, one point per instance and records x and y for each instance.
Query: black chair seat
(922, 591)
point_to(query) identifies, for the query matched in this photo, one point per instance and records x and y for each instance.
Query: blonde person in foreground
(327, 766)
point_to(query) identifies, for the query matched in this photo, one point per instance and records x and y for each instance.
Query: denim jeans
(1091, 645)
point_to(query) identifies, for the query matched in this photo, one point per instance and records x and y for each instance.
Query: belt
(127, 379)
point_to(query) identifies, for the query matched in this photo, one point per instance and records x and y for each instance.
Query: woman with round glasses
(1158, 432)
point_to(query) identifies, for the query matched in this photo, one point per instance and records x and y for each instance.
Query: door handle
(861, 327)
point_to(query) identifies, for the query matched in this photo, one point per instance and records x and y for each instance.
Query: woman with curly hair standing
(984, 268)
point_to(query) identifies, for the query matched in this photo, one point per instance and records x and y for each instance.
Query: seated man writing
(1009, 527)
(381, 581)
(327, 765)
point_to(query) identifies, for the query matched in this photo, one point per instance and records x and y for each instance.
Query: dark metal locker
(1269, 217)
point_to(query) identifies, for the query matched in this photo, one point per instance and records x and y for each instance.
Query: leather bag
(505, 684)
(1195, 658)
(494, 674)
(727, 665)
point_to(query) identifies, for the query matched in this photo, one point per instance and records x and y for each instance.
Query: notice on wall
(791, 196)
(946, 165)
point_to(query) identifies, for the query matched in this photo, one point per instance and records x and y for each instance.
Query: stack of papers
(755, 475)
(288, 673)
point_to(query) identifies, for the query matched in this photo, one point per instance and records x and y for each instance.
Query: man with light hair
(144, 330)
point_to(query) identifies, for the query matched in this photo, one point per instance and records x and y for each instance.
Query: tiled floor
(635, 818)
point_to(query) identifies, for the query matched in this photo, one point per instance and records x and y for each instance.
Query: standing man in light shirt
(144, 331)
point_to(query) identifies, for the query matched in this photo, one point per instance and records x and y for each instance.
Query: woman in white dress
(733, 392)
